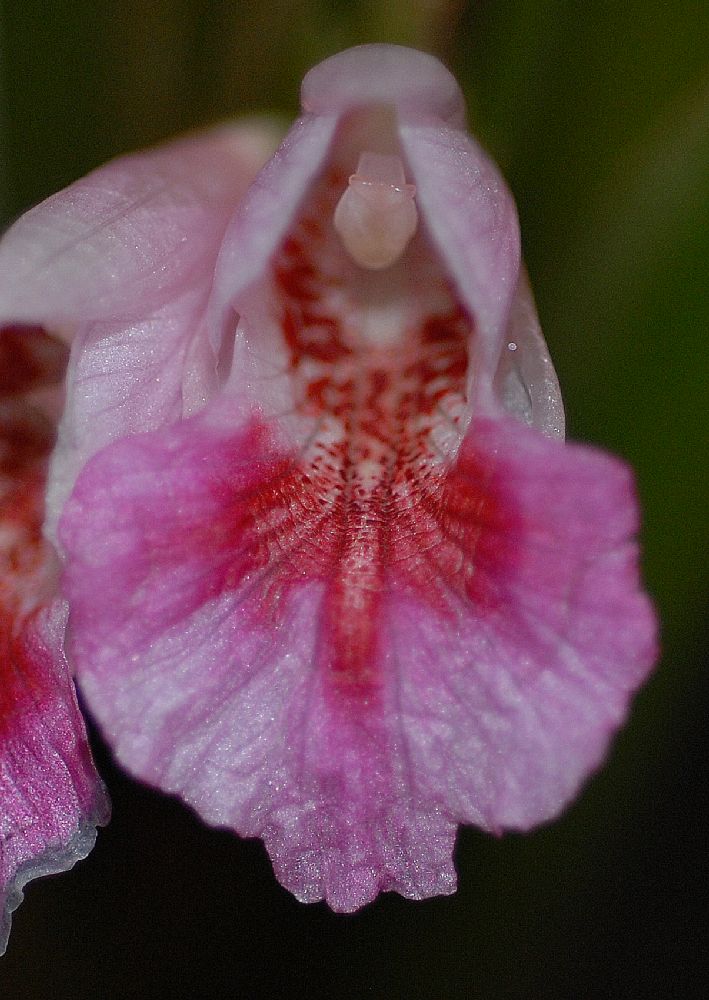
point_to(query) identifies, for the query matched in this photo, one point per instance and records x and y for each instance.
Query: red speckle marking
(374, 501)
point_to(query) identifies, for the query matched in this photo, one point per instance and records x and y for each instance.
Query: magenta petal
(500, 662)
(52, 800)
(510, 698)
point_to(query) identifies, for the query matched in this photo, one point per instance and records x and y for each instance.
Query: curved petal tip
(53, 862)
(414, 82)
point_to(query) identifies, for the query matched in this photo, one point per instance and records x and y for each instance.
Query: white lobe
(376, 215)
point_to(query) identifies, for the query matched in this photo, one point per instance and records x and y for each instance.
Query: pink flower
(50, 796)
(336, 581)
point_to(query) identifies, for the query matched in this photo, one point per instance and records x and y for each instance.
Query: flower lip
(414, 82)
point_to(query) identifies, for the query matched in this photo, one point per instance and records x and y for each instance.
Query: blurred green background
(597, 113)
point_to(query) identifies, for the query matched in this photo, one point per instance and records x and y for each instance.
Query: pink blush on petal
(279, 525)
(320, 585)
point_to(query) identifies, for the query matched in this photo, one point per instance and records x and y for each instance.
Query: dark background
(597, 113)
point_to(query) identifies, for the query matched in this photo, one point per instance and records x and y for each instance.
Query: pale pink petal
(525, 381)
(119, 243)
(266, 212)
(121, 263)
(415, 83)
(125, 378)
(472, 220)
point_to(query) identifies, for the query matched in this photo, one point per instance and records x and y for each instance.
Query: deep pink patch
(443, 535)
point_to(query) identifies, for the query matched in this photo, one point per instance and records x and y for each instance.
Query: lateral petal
(525, 382)
(472, 219)
(120, 242)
